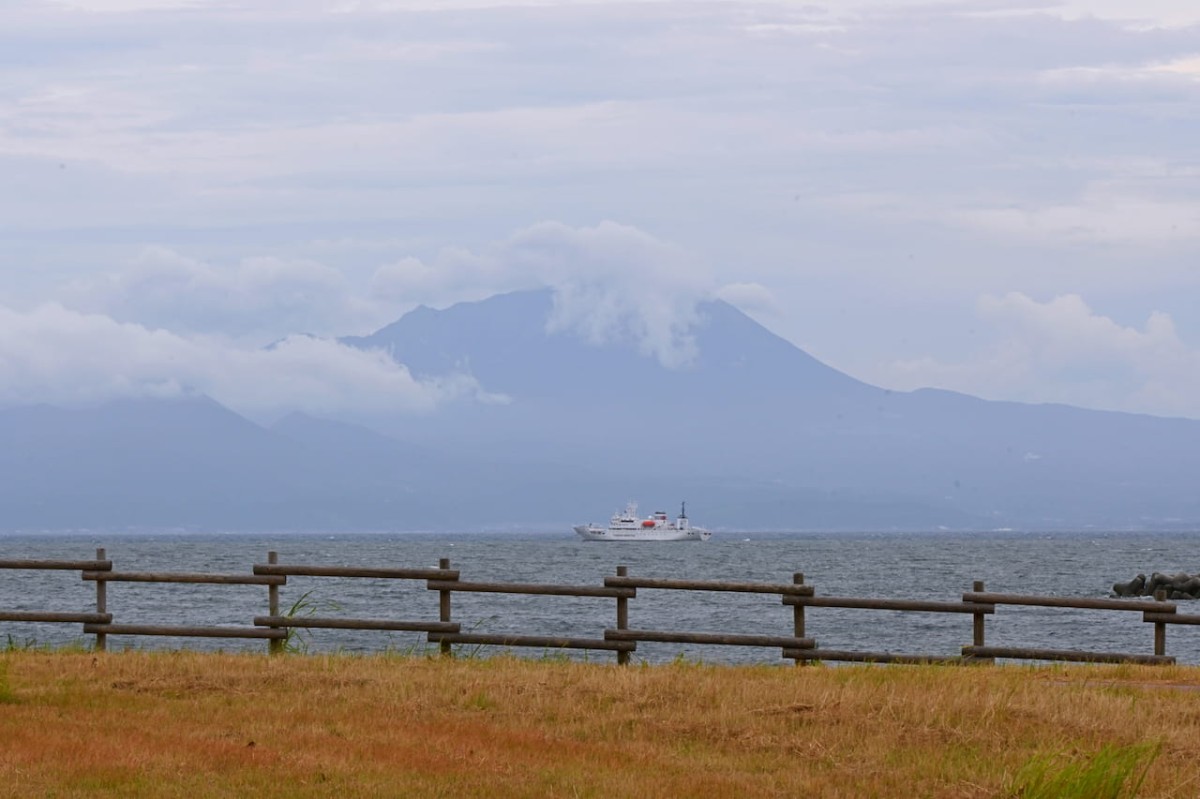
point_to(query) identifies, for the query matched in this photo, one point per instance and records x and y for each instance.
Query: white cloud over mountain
(168, 324)
(257, 298)
(56, 355)
(611, 282)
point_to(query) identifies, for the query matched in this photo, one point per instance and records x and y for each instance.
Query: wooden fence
(275, 627)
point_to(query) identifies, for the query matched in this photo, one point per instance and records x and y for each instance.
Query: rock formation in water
(1176, 586)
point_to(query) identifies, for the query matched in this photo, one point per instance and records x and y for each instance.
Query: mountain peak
(506, 343)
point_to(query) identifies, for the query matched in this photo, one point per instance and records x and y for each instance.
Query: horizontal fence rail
(62, 565)
(530, 588)
(310, 622)
(851, 656)
(1069, 655)
(179, 577)
(719, 639)
(291, 570)
(446, 631)
(1080, 603)
(1171, 618)
(538, 641)
(889, 604)
(707, 585)
(52, 617)
(184, 631)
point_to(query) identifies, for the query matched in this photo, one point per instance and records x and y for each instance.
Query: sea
(938, 565)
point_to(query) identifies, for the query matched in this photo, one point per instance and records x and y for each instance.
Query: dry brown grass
(145, 724)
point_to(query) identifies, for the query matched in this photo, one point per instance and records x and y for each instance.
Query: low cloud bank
(60, 356)
(1063, 350)
(166, 324)
(258, 299)
(611, 282)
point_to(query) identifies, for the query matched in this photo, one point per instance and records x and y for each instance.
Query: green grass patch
(1115, 772)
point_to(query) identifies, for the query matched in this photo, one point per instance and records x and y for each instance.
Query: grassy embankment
(141, 724)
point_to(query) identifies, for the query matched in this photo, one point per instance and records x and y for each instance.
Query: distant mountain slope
(161, 461)
(192, 463)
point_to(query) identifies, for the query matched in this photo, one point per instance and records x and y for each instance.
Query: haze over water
(936, 565)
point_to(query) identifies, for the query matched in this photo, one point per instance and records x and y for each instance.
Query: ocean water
(935, 565)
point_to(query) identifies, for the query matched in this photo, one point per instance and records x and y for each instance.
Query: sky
(998, 198)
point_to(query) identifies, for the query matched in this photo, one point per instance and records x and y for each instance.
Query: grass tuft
(296, 642)
(1115, 772)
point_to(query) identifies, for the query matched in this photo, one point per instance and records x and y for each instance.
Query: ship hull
(593, 533)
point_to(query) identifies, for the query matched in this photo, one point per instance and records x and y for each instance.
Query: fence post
(274, 645)
(977, 632)
(622, 616)
(101, 602)
(978, 637)
(798, 616)
(1160, 629)
(444, 606)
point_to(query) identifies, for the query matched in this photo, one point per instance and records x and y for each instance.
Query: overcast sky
(1001, 198)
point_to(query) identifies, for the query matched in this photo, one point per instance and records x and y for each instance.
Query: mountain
(134, 461)
(753, 415)
(610, 405)
(752, 432)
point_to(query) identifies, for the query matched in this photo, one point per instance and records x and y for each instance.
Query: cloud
(1062, 350)
(168, 324)
(1188, 67)
(124, 6)
(56, 355)
(611, 283)
(1100, 216)
(753, 298)
(256, 298)
(614, 282)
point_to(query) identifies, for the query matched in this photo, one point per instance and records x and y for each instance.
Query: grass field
(190, 724)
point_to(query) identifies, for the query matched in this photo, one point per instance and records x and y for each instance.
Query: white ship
(626, 526)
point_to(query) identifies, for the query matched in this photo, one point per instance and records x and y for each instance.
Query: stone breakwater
(1176, 586)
